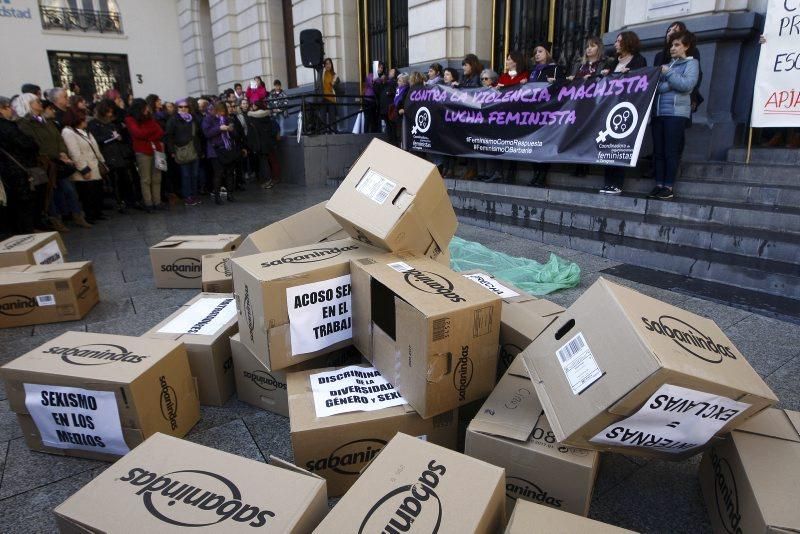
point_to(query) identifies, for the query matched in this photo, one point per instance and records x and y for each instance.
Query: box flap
(201, 321)
(527, 514)
(283, 464)
(23, 242)
(774, 423)
(31, 273)
(511, 411)
(196, 241)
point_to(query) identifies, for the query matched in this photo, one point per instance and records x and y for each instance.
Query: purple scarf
(401, 94)
(226, 138)
(185, 116)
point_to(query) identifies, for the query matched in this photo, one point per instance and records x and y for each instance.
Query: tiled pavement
(649, 496)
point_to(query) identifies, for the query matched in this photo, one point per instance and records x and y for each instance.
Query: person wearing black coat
(182, 139)
(263, 133)
(117, 153)
(18, 152)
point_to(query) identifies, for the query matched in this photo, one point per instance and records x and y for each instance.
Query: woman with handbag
(117, 154)
(85, 153)
(222, 149)
(18, 153)
(146, 135)
(183, 142)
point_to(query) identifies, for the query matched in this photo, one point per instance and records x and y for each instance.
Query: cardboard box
(294, 305)
(412, 481)
(395, 200)
(307, 227)
(523, 318)
(176, 260)
(257, 385)
(169, 485)
(511, 431)
(530, 518)
(38, 294)
(339, 446)
(751, 480)
(204, 325)
(431, 332)
(45, 248)
(621, 371)
(99, 395)
(216, 273)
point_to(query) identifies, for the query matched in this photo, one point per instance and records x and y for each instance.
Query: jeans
(280, 118)
(668, 140)
(189, 172)
(150, 178)
(65, 199)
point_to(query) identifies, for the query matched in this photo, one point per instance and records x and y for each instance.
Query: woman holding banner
(673, 107)
(515, 72)
(547, 71)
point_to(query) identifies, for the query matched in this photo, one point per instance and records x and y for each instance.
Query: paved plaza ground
(639, 494)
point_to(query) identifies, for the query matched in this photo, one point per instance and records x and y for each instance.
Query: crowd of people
(61, 155)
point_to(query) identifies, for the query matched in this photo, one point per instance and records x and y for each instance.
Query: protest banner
(596, 120)
(776, 95)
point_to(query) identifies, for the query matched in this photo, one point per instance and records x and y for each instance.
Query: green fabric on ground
(526, 274)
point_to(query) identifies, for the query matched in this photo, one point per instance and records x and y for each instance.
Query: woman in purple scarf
(222, 149)
(182, 139)
(396, 109)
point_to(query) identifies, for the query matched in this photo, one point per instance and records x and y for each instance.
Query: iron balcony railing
(64, 18)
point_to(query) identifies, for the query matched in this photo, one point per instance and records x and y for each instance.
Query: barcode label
(578, 363)
(375, 186)
(400, 266)
(46, 300)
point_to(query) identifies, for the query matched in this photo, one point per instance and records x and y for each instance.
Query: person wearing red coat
(257, 91)
(515, 72)
(146, 135)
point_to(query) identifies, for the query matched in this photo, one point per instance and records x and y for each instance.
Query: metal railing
(64, 18)
(320, 116)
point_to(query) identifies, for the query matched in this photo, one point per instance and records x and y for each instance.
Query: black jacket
(262, 132)
(552, 70)
(23, 150)
(470, 82)
(637, 62)
(181, 133)
(117, 152)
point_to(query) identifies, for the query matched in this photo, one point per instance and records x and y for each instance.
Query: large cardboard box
(33, 249)
(751, 480)
(294, 305)
(431, 332)
(204, 325)
(307, 227)
(523, 318)
(511, 431)
(621, 371)
(338, 447)
(256, 384)
(99, 395)
(171, 485)
(38, 294)
(416, 482)
(216, 273)
(177, 261)
(530, 518)
(395, 200)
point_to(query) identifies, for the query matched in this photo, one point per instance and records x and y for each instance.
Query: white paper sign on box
(492, 285)
(674, 419)
(352, 389)
(48, 254)
(319, 314)
(204, 318)
(76, 418)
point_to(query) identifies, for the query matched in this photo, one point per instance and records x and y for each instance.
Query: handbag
(159, 159)
(186, 153)
(101, 166)
(32, 179)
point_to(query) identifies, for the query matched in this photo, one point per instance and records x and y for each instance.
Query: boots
(57, 224)
(80, 220)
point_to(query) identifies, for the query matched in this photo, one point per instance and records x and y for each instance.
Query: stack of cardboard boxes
(346, 318)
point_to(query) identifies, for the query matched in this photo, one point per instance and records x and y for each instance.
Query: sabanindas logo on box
(184, 267)
(169, 403)
(224, 268)
(462, 374)
(16, 305)
(689, 338)
(349, 458)
(18, 242)
(519, 488)
(726, 494)
(248, 312)
(309, 256)
(264, 380)
(95, 354)
(434, 283)
(414, 504)
(194, 498)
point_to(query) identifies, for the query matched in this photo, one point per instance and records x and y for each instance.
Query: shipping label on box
(39, 294)
(750, 480)
(341, 418)
(295, 305)
(416, 482)
(216, 273)
(169, 485)
(177, 260)
(45, 248)
(396, 201)
(444, 326)
(98, 395)
(204, 325)
(664, 384)
(511, 431)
